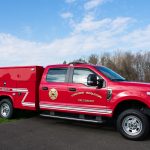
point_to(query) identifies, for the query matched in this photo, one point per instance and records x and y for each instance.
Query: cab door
(53, 87)
(84, 98)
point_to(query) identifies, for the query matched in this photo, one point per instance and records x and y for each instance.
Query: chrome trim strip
(28, 104)
(91, 110)
(19, 90)
(76, 119)
(6, 89)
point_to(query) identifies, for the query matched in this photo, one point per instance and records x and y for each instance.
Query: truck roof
(66, 65)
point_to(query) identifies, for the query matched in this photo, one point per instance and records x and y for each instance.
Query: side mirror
(92, 80)
(100, 83)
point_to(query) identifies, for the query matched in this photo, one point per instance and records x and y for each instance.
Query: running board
(71, 118)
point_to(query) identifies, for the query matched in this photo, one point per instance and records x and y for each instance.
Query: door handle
(44, 88)
(72, 89)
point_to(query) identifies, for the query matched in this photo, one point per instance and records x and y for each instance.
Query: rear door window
(57, 75)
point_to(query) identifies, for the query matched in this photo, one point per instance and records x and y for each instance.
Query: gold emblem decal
(53, 94)
(86, 100)
(87, 93)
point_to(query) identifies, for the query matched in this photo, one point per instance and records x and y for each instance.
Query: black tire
(6, 109)
(133, 124)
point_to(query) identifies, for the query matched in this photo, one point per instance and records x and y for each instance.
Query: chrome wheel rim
(132, 125)
(5, 109)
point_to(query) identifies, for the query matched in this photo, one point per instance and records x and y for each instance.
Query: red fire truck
(77, 91)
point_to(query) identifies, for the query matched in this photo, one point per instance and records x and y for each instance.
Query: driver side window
(80, 75)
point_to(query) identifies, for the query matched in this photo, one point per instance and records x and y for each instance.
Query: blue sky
(43, 32)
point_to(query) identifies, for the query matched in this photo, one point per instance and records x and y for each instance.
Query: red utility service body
(21, 85)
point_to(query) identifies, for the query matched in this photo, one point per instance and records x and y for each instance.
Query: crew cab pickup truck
(77, 91)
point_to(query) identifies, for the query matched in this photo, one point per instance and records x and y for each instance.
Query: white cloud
(16, 51)
(90, 4)
(89, 23)
(66, 15)
(138, 39)
(89, 36)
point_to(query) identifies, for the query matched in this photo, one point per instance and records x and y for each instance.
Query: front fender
(126, 95)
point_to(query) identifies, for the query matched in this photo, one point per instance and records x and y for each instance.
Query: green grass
(19, 115)
(2, 120)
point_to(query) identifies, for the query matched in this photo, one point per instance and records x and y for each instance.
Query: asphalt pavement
(53, 134)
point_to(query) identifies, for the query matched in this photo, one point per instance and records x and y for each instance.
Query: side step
(84, 118)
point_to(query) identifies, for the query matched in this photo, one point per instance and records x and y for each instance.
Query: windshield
(110, 74)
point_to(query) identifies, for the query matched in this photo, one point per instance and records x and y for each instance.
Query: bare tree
(132, 66)
(93, 59)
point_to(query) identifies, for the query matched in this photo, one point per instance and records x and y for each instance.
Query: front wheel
(6, 109)
(133, 124)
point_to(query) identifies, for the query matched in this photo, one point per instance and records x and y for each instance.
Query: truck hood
(139, 85)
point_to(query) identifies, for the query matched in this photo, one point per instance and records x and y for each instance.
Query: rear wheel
(6, 109)
(133, 124)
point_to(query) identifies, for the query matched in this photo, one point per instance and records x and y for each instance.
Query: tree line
(132, 66)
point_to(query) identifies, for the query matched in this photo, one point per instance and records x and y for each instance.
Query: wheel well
(128, 104)
(5, 97)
